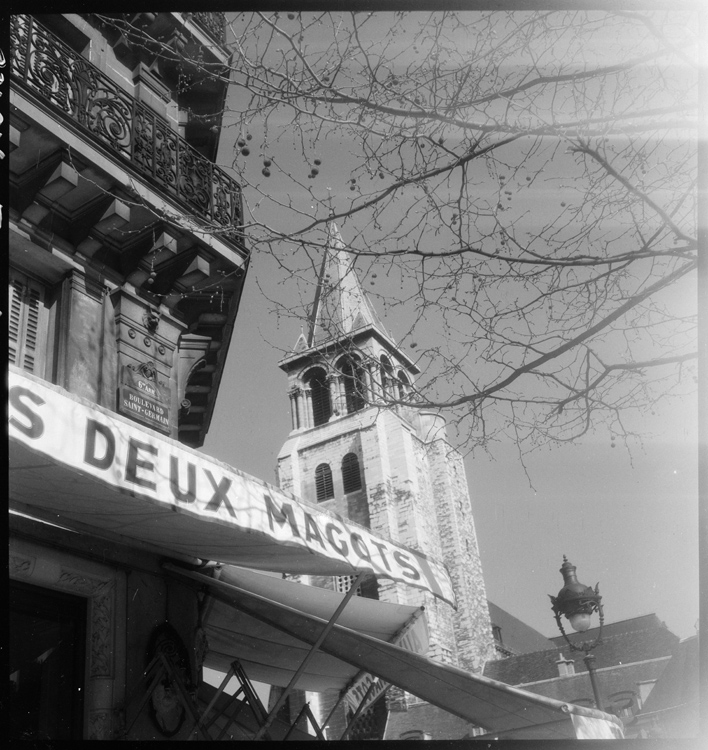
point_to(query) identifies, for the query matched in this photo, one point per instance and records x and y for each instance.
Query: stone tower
(389, 468)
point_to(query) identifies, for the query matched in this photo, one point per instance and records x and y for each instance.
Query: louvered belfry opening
(386, 370)
(324, 487)
(354, 388)
(351, 474)
(319, 391)
(403, 384)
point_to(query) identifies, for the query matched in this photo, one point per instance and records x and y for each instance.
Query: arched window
(354, 387)
(403, 384)
(319, 388)
(386, 375)
(323, 483)
(351, 475)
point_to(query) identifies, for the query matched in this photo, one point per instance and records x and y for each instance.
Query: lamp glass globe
(580, 621)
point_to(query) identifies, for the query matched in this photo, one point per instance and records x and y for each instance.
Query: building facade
(126, 270)
(673, 708)
(354, 451)
(129, 549)
(633, 655)
(124, 233)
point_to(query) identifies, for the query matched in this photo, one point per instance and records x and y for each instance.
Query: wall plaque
(143, 397)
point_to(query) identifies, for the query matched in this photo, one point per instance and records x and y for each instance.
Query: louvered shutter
(324, 487)
(26, 326)
(351, 476)
(15, 322)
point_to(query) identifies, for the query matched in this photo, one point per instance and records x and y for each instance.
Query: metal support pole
(590, 664)
(320, 640)
(217, 695)
(307, 712)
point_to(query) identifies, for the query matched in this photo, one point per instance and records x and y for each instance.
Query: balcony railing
(213, 23)
(80, 91)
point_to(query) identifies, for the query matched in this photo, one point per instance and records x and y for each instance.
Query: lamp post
(578, 602)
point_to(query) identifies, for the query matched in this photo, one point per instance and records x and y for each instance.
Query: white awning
(86, 467)
(272, 656)
(478, 699)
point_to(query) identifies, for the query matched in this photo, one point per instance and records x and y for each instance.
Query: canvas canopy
(485, 702)
(271, 655)
(87, 468)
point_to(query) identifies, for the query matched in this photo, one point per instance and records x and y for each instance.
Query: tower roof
(341, 305)
(341, 309)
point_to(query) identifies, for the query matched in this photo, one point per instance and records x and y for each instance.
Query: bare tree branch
(516, 191)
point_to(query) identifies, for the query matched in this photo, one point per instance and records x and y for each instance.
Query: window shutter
(15, 322)
(26, 325)
(351, 475)
(323, 483)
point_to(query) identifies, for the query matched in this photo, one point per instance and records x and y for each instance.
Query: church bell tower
(385, 466)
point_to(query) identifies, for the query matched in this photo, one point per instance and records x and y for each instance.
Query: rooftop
(625, 642)
(516, 636)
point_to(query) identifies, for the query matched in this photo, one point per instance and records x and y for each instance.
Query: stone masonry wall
(328, 444)
(401, 506)
(415, 492)
(474, 640)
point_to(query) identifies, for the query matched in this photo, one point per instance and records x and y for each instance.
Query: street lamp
(577, 602)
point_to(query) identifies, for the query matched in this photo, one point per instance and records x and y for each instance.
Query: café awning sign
(78, 462)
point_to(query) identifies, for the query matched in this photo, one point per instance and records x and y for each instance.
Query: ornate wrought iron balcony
(213, 23)
(78, 90)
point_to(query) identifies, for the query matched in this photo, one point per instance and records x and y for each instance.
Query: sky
(627, 520)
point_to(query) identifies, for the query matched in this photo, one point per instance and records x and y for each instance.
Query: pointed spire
(301, 343)
(341, 305)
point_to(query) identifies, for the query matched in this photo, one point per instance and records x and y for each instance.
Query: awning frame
(315, 647)
(477, 699)
(237, 670)
(161, 667)
(307, 712)
(397, 636)
(250, 696)
(362, 703)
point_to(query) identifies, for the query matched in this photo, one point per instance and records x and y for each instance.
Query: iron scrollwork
(213, 23)
(82, 92)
